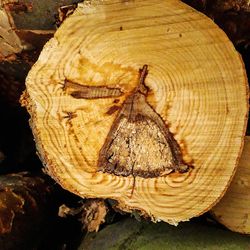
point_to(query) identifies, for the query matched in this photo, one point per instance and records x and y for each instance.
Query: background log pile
(32, 206)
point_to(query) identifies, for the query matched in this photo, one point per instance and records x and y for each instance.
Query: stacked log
(233, 210)
(26, 209)
(233, 16)
(139, 108)
(29, 201)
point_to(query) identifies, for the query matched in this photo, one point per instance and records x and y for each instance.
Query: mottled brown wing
(139, 143)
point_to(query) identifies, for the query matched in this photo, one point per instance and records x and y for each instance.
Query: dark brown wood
(90, 92)
(27, 207)
(13, 74)
(1, 156)
(90, 212)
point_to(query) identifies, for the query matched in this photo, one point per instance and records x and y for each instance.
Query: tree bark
(132, 234)
(90, 212)
(144, 103)
(28, 210)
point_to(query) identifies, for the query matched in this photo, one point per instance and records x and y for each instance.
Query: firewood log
(132, 234)
(27, 210)
(233, 16)
(90, 212)
(234, 208)
(25, 26)
(142, 102)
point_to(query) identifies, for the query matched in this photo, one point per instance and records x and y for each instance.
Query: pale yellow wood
(233, 210)
(198, 86)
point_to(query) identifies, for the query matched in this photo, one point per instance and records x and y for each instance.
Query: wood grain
(197, 85)
(233, 210)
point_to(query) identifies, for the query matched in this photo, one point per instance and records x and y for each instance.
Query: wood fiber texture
(196, 84)
(233, 210)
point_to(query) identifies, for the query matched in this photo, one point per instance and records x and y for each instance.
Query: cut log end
(233, 210)
(157, 141)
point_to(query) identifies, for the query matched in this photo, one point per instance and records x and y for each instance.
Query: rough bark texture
(233, 16)
(91, 213)
(131, 234)
(29, 214)
(27, 207)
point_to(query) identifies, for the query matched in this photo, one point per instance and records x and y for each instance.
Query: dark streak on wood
(91, 92)
(69, 115)
(64, 12)
(112, 110)
(116, 101)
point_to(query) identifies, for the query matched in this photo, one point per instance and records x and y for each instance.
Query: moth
(139, 142)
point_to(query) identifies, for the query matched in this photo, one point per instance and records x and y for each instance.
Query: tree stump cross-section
(165, 140)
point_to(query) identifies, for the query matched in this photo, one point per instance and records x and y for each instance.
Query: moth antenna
(133, 187)
(141, 85)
